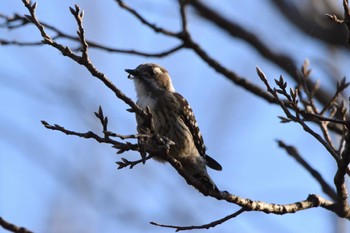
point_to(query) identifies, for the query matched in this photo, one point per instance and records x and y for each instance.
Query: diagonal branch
(235, 30)
(204, 226)
(13, 228)
(307, 18)
(189, 43)
(312, 200)
(292, 151)
(66, 51)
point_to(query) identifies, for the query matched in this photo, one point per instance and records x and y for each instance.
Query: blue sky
(50, 182)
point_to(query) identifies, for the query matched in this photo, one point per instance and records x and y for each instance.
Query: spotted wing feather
(189, 119)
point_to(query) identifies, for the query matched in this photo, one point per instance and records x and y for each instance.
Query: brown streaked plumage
(173, 117)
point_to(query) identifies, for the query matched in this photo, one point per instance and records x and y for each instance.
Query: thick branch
(282, 60)
(159, 146)
(249, 205)
(346, 19)
(306, 21)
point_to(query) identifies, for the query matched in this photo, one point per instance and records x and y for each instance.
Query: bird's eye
(149, 71)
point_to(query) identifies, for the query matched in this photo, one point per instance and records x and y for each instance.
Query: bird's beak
(132, 73)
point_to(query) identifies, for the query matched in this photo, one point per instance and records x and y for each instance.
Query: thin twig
(183, 4)
(325, 132)
(91, 135)
(296, 117)
(204, 226)
(311, 116)
(62, 35)
(341, 86)
(144, 21)
(127, 163)
(19, 43)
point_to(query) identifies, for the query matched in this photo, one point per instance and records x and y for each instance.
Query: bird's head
(150, 78)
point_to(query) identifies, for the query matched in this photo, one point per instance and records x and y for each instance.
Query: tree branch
(339, 178)
(83, 60)
(346, 19)
(159, 146)
(292, 151)
(204, 226)
(156, 145)
(293, 102)
(13, 228)
(188, 42)
(21, 21)
(308, 21)
(282, 60)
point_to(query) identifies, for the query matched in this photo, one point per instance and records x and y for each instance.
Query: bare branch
(144, 21)
(341, 207)
(183, 4)
(313, 116)
(204, 226)
(152, 144)
(154, 150)
(91, 135)
(15, 42)
(292, 151)
(83, 60)
(282, 60)
(61, 35)
(188, 42)
(159, 146)
(346, 19)
(13, 228)
(341, 86)
(296, 117)
(307, 18)
(127, 163)
(339, 178)
(16, 21)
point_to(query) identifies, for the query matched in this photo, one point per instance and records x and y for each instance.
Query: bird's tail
(212, 163)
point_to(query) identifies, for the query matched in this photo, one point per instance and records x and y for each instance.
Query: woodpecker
(173, 118)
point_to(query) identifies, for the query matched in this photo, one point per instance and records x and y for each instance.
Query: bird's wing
(189, 119)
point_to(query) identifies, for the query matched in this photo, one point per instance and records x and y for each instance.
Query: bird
(173, 118)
